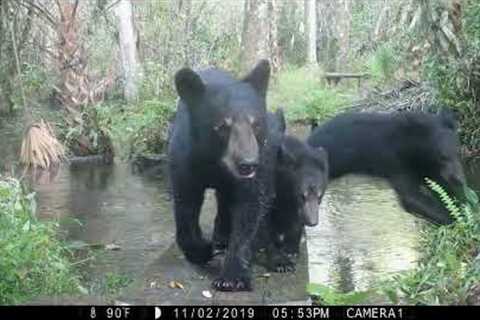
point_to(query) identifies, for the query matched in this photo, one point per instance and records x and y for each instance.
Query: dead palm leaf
(40, 147)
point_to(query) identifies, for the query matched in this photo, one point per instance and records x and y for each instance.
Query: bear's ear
(259, 76)
(286, 157)
(189, 85)
(448, 118)
(281, 119)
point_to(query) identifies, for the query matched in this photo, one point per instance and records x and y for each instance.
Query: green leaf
(27, 226)
(392, 295)
(471, 196)
(331, 297)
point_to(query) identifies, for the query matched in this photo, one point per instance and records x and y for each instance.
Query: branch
(17, 63)
(45, 49)
(112, 5)
(26, 30)
(74, 12)
(72, 16)
(60, 9)
(42, 12)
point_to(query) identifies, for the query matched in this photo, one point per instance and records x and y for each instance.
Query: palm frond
(40, 148)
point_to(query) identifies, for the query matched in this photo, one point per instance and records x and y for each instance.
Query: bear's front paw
(200, 253)
(285, 267)
(283, 263)
(232, 284)
(219, 247)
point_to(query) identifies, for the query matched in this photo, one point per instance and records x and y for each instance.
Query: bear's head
(433, 150)
(302, 175)
(229, 115)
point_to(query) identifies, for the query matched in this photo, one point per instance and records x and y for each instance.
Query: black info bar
(99, 312)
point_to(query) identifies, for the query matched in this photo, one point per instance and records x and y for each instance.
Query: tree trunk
(255, 33)
(74, 91)
(274, 49)
(344, 18)
(128, 48)
(188, 32)
(311, 31)
(327, 44)
(379, 31)
(260, 33)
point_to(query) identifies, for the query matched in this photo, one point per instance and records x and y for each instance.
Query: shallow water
(363, 233)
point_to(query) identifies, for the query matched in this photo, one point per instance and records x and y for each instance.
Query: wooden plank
(333, 75)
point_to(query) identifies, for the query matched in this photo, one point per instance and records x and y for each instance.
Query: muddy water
(363, 234)
(110, 206)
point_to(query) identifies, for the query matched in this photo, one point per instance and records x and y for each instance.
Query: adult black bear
(403, 148)
(301, 176)
(220, 141)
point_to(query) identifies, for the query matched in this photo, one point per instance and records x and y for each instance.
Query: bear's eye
(305, 195)
(255, 123)
(257, 126)
(223, 125)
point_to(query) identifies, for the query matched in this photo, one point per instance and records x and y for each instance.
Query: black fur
(203, 154)
(403, 148)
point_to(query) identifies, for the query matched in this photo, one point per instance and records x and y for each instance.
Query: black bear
(219, 140)
(301, 178)
(403, 148)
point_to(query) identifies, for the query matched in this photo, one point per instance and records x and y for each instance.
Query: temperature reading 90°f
(118, 312)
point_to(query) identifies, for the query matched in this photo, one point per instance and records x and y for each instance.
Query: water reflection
(363, 233)
(113, 206)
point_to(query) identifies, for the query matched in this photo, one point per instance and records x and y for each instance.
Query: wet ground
(117, 207)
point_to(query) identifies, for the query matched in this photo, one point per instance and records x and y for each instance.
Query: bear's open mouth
(247, 170)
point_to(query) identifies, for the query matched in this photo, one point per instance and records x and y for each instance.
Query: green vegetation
(383, 64)
(449, 269)
(456, 79)
(139, 128)
(34, 261)
(304, 96)
(110, 284)
(325, 295)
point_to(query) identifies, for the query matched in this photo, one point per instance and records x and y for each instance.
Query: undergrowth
(34, 262)
(448, 271)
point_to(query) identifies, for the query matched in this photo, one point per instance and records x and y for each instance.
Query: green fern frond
(445, 198)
